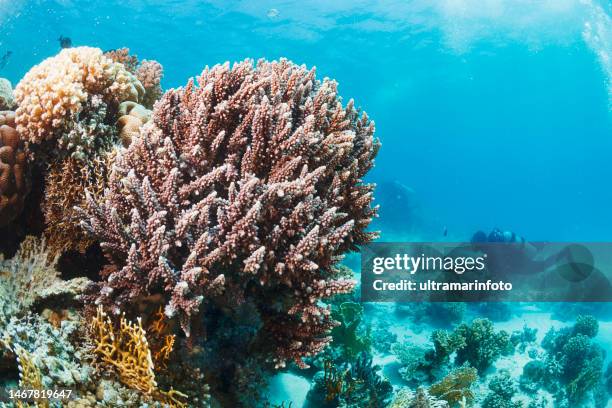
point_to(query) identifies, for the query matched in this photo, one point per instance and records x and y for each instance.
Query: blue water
(497, 113)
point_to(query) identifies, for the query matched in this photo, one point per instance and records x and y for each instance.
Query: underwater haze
(497, 113)
(492, 114)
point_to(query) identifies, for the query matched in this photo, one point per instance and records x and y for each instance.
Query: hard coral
(246, 186)
(131, 118)
(24, 277)
(14, 175)
(150, 73)
(67, 181)
(52, 95)
(126, 350)
(123, 56)
(7, 100)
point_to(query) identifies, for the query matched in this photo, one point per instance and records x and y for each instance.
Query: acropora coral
(150, 73)
(14, 173)
(7, 99)
(245, 186)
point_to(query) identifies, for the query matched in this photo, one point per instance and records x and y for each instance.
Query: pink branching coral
(245, 187)
(150, 73)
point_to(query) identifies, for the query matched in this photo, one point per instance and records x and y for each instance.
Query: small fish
(445, 232)
(5, 58)
(65, 42)
(272, 13)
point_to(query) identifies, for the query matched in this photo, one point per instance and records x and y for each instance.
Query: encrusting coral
(131, 118)
(7, 100)
(14, 175)
(247, 186)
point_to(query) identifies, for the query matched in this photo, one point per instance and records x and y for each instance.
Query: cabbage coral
(246, 187)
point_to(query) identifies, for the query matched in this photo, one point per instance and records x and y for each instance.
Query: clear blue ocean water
(497, 113)
(492, 113)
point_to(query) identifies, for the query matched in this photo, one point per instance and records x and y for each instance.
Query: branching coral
(574, 363)
(123, 56)
(246, 186)
(53, 94)
(502, 390)
(14, 175)
(482, 344)
(7, 100)
(126, 350)
(24, 277)
(150, 73)
(67, 181)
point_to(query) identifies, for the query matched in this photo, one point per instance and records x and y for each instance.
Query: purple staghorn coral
(246, 187)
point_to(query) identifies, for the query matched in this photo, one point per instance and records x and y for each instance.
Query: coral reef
(573, 365)
(246, 187)
(14, 173)
(7, 100)
(354, 386)
(482, 344)
(502, 389)
(348, 335)
(67, 109)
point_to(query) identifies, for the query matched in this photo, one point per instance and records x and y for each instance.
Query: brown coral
(52, 94)
(150, 73)
(247, 186)
(14, 176)
(7, 100)
(66, 183)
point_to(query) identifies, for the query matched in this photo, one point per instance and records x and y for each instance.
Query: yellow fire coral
(67, 181)
(126, 350)
(53, 93)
